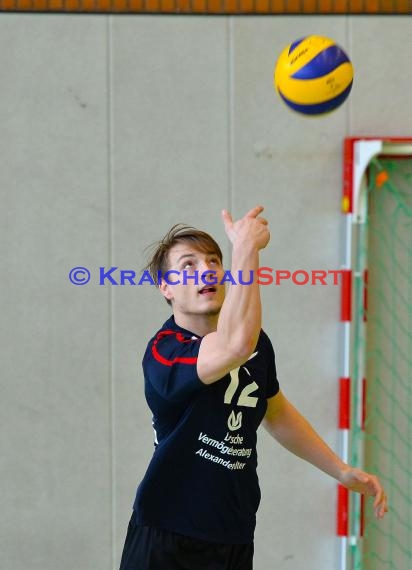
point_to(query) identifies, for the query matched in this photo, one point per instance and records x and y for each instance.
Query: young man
(210, 380)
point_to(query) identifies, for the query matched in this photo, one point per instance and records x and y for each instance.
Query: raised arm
(294, 432)
(240, 318)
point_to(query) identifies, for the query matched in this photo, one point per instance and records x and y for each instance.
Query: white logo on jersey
(234, 422)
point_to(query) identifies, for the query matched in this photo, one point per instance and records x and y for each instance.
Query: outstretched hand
(250, 229)
(361, 482)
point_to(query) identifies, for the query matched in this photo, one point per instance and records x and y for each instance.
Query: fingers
(367, 484)
(254, 212)
(380, 504)
(227, 219)
(251, 228)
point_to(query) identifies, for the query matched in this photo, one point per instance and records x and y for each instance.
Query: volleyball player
(210, 381)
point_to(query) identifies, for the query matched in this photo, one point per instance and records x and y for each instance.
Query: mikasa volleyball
(313, 75)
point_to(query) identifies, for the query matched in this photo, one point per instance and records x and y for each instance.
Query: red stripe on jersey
(177, 359)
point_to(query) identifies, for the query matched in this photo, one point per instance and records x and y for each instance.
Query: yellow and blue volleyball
(313, 75)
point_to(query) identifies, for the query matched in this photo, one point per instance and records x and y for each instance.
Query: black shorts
(148, 548)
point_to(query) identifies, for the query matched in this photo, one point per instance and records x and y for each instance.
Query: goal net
(380, 357)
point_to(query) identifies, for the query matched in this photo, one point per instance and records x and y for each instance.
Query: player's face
(199, 274)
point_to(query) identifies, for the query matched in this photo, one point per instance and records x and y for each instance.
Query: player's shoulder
(171, 344)
(172, 332)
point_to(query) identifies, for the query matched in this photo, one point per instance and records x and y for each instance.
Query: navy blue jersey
(202, 480)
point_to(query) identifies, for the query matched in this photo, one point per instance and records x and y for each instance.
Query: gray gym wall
(113, 129)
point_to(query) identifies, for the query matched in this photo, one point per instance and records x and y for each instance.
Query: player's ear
(166, 290)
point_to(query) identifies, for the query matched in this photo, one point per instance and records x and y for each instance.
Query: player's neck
(200, 325)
